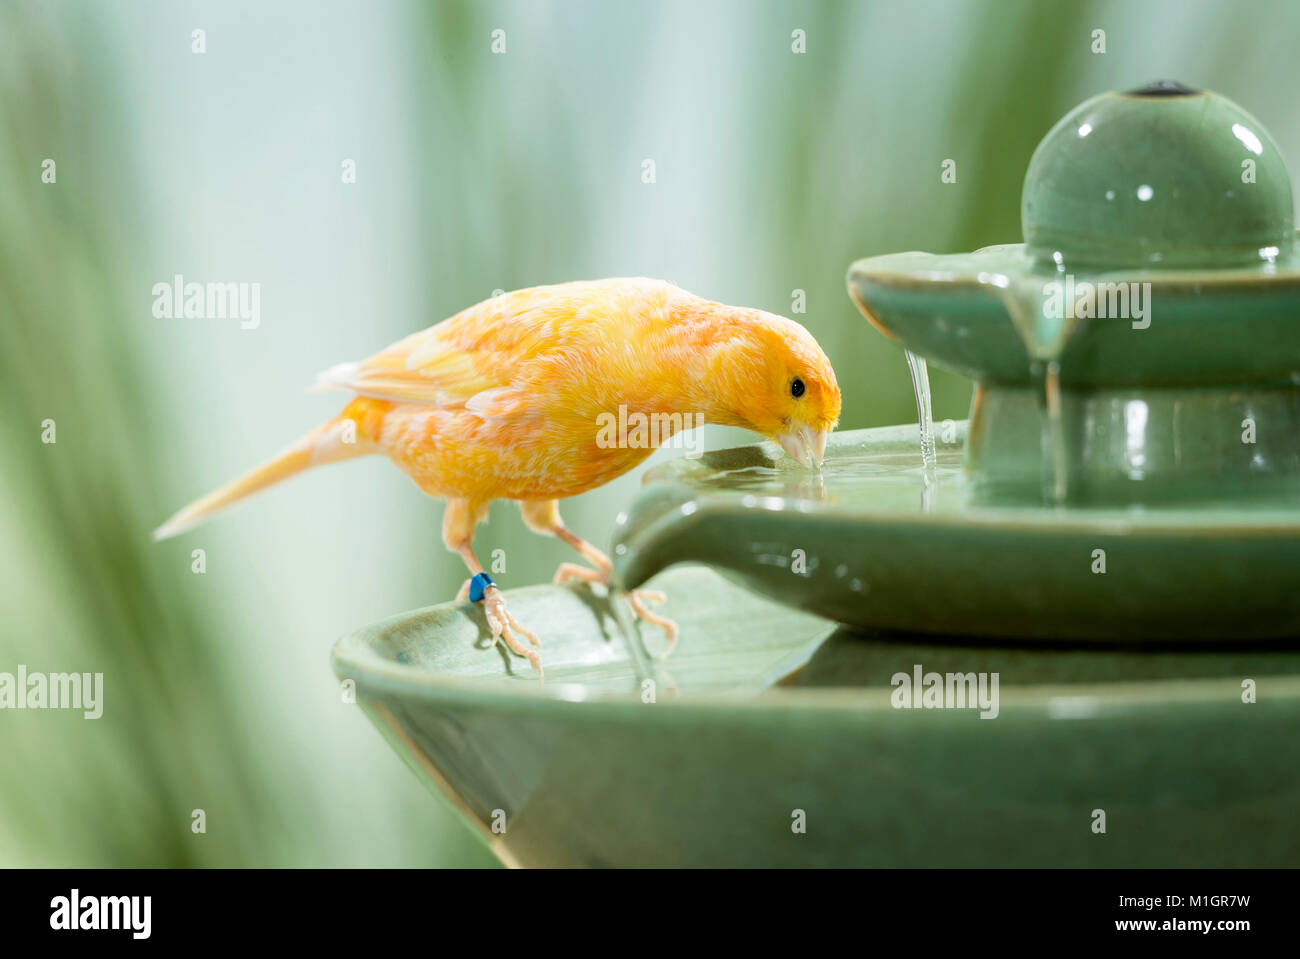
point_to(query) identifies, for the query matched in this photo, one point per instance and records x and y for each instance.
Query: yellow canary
(513, 399)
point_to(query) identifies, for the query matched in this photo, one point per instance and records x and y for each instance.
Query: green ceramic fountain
(1115, 534)
(1149, 317)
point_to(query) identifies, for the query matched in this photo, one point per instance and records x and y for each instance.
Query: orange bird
(512, 399)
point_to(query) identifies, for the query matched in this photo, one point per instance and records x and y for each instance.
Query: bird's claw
(638, 598)
(504, 626)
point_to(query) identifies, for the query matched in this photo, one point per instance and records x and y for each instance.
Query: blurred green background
(475, 171)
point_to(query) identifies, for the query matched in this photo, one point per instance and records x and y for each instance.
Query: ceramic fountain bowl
(1151, 317)
(764, 715)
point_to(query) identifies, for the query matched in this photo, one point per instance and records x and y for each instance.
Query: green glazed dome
(1159, 177)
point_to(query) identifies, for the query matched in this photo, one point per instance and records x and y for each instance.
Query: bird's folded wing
(479, 359)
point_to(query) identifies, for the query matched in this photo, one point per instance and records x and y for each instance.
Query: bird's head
(769, 375)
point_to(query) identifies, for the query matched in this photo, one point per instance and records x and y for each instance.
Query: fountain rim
(919, 269)
(355, 657)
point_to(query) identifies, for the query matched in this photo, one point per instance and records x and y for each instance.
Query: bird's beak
(805, 444)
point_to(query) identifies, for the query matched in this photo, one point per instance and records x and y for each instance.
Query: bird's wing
(478, 358)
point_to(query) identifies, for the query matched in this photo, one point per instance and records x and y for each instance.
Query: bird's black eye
(797, 388)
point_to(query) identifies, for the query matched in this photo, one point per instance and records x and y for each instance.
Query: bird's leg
(567, 571)
(457, 529)
(543, 516)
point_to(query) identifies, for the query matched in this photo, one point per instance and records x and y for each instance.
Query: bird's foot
(503, 624)
(637, 599)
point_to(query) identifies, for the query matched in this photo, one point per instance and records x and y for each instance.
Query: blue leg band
(478, 585)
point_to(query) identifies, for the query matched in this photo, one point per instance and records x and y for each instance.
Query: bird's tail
(339, 439)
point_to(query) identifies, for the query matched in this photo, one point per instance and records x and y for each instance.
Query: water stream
(924, 412)
(1045, 338)
(1055, 454)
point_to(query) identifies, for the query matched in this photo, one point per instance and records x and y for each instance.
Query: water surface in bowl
(885, 474)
